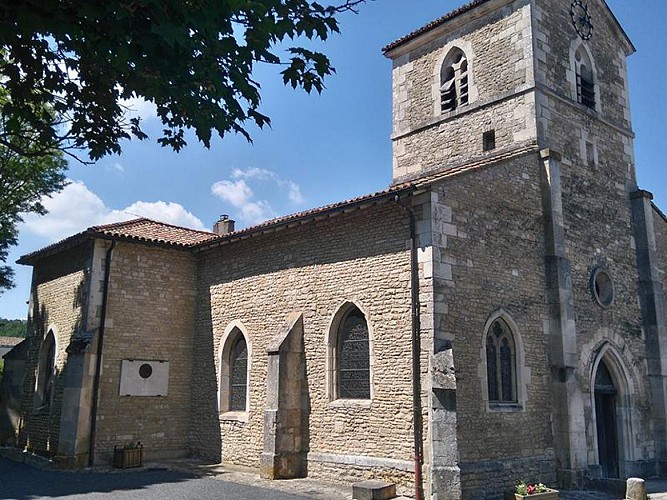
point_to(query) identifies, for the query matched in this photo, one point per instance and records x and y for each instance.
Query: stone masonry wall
(596, 209)
(555, 38)
(315, 269)
(499, 49)
(57, 303)
(492, 245)
(150, 316)
(660, 228)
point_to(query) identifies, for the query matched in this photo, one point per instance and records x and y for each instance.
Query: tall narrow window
(501, 363)
(353, 357)
(585, 78)
(238, 374)
(46, 365)
(454, 81)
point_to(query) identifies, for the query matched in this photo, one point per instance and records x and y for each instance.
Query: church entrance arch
(605, 419)
(612, 391)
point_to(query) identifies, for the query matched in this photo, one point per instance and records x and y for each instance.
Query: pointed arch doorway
(606, 396)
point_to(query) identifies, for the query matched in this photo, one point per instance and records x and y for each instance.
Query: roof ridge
(114, 225)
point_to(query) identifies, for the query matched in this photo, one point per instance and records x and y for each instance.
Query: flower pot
(124, 458)
(547, 495)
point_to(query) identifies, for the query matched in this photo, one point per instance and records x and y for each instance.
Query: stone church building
(496, 314)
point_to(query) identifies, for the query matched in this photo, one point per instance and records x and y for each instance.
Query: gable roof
(140, 230)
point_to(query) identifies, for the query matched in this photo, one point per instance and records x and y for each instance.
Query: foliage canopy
(192, 58)
(12, 327)
(24, 180)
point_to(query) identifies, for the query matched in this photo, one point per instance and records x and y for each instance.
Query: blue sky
(320, 149)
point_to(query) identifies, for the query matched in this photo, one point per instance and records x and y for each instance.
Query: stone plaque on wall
(144, 378)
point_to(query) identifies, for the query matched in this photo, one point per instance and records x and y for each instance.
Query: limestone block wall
(499, 49)
(492, 249)
(360, 257)
(599, 233)
(660, 229)
(555, 41)
(58, 300)
(150, 316)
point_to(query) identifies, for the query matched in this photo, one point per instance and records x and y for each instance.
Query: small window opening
(489, 140)
(590, 154)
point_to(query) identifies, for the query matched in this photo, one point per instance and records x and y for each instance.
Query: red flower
(531, 489)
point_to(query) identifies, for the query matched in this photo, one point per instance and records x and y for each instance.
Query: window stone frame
(332, 357)
(45, 383)
(234, 329)
(522, 373)
(571, 74)
(473, 95)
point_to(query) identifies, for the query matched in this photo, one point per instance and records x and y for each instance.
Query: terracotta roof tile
(10, 341)
(151, 231)
(141, 230)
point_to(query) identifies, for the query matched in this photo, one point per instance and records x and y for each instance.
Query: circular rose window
(603, 287)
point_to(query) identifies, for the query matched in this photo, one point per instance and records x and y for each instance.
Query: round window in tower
(602, 287)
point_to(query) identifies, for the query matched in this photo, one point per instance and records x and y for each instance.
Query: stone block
(635, 489)
(373, 490)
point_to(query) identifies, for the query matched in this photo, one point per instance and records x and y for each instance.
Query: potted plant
(534, 491)
(131, 455)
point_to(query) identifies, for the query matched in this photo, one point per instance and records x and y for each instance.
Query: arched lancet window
(353, 357)
(454, 81)
(501, 363)
(238, 374)
(585, 78)
(234, 362)
(46, 367)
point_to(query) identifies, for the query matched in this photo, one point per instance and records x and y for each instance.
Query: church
(496, 314)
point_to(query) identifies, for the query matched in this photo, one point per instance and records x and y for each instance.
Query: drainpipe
(416, 351)
(98, 361)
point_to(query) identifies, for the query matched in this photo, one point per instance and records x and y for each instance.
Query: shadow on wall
(205, 418)
(11, 391)
(39, 421)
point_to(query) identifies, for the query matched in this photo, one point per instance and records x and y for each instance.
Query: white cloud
(262, 174)
(117, 166)
(76, 208)
(238, 193)
(139, 107)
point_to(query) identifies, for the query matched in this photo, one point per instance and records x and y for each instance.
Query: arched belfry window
(454, 81)
(585, 78)
(501, 363)
(46, 368)
(234, 370)
(353, 357)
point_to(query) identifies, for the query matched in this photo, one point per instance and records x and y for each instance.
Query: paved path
(188, 479)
